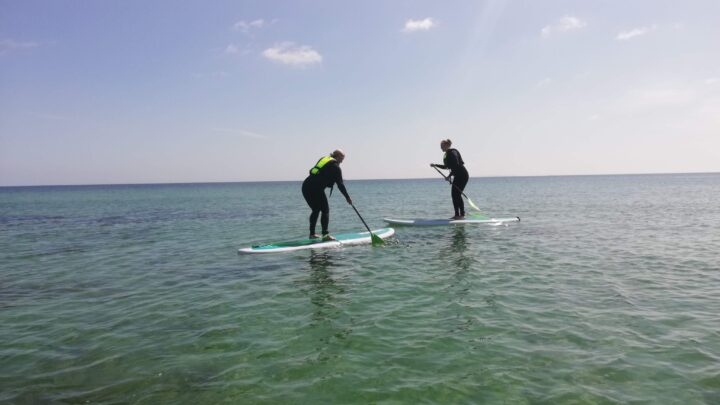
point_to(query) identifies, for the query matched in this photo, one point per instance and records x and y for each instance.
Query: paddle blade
(472, 204)
(376, 240)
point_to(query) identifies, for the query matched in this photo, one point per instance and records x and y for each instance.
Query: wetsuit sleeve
(339, 182)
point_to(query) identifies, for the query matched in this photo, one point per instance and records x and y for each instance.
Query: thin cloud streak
(645, 99)
(566, 23)
(543, 83)
(636, 32)
(9, 45)
(212, 75)
(51, 117)
(240, 132)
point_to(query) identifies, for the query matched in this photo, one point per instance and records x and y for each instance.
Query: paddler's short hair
(337, 153)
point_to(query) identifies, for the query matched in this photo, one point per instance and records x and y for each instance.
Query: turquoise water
(607, 291)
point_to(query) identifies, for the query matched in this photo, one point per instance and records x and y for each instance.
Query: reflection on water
(459, 282)
(327, 297)
(459, 239)
(458, 250)
(323, 289)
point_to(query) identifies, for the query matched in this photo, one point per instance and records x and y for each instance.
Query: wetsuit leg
(325, 209)
(317, 201)
(460, 180)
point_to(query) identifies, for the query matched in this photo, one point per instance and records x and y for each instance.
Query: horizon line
(346, 180)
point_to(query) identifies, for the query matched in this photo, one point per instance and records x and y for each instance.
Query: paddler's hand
(349, 200)
(433, 165)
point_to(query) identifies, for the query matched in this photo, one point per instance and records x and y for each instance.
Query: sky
(136, 91)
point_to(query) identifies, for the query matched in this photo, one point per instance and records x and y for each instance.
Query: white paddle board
(440, 221)
(342, 239)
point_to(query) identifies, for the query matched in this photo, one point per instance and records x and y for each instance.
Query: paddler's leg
(457, 201)
(312, 198)
(313, 220)
(460, 181)
(325, 217)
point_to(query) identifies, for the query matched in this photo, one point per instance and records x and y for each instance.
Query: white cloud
(290, 54)
(8, 45)
(246, 26)
(635, 32)
(712, 80)
(419, 25)
(566, 23)
(240, 132)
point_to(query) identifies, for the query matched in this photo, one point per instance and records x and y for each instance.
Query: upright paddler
(453, 161)
(324, 174)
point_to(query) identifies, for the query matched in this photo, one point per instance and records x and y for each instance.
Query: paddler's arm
(341, 185)
(438, 166)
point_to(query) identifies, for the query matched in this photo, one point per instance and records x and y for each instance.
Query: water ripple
(136, 294)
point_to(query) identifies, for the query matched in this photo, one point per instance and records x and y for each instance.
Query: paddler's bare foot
(314, 236)
(328, 237)
(456, 217)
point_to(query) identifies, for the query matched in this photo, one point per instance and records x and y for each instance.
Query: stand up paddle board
(439, 221)
(342, 239)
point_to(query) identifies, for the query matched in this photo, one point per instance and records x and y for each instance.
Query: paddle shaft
(376, 240)
(361, 218)
(451, 183)
(472, 204)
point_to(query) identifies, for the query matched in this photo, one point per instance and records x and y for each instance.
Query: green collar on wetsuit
(319, 165)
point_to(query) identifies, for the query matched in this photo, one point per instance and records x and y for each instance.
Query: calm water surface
(607, 291)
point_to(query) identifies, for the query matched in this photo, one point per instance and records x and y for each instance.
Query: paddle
(376, 240)
(472, 204)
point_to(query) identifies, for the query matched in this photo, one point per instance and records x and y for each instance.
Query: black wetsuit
(313, 189)
(453, 161)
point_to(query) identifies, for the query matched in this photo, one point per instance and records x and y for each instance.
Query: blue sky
(165, 91)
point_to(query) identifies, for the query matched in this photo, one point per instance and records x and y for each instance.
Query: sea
(607, 291)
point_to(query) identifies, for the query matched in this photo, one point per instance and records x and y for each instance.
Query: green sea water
(607, 291)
